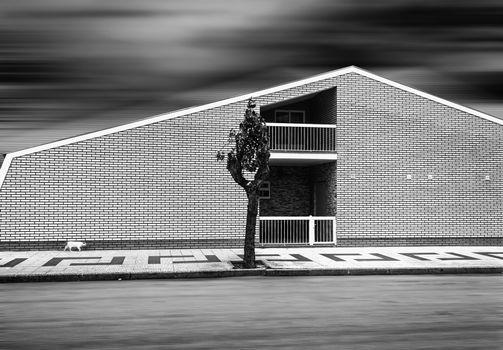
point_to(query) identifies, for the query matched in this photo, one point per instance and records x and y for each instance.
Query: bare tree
(250, 153)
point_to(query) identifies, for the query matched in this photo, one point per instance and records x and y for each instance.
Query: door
(324, 228)
(320, 198)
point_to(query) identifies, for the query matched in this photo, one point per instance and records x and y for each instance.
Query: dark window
(264, 192)
(289, 116)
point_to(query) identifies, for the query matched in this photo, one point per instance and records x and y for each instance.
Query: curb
(129, 276)
(245, 272)
(384, 271)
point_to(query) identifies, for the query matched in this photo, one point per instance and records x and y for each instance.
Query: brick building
(356, 159)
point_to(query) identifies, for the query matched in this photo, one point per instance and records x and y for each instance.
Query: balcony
(292, 143)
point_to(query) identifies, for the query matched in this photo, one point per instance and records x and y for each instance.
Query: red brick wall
(160, 185)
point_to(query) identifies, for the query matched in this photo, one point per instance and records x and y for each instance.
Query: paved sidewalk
(185, 263)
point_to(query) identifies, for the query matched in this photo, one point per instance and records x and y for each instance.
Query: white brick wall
(160, 184)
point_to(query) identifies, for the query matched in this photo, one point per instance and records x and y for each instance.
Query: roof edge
(170, 115)
(161, 117)
(429, 96)
(181, 112)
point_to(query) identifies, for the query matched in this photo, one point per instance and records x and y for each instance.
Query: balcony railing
(303, 230)
(301, 137)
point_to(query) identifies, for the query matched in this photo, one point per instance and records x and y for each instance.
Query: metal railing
(297, 230)
(301, 137)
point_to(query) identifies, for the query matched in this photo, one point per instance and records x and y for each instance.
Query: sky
(72, 67)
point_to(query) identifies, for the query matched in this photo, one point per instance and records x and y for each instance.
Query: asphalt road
(354, 312)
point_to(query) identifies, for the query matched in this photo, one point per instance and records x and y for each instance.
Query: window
(264, 192)
(289, 116)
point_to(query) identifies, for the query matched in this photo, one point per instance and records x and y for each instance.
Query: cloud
(76, 66)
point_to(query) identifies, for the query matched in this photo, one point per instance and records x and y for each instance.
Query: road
(339, 312)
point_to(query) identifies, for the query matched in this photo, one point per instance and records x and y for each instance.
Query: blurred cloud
(68, 67)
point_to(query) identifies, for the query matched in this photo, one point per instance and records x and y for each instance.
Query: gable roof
(179, 113)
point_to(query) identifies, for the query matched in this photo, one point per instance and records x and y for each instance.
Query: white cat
(70, 245)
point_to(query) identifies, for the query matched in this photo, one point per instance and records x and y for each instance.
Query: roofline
(166, 116)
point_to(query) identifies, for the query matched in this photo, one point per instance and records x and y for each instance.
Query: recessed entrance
(301, 205)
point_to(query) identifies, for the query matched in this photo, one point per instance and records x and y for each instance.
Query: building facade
(356, 159)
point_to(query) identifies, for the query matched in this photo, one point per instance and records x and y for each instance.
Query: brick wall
(327, 173)
(385, 134)
(159, 185)
(324, 107)
(291, 192)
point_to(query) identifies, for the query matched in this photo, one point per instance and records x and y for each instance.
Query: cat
(70, 245)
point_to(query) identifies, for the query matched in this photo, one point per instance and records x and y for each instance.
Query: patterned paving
(193, 260)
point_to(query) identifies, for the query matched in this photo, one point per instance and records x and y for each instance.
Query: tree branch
(234, 167)
(263, 168)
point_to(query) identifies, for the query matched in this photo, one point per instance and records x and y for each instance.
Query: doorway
(320, 198)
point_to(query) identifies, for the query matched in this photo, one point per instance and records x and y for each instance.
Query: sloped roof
(179, 113)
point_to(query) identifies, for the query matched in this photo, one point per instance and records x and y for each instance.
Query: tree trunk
(251, 223)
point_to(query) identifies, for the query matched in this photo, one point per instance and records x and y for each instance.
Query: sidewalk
(190, 263)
